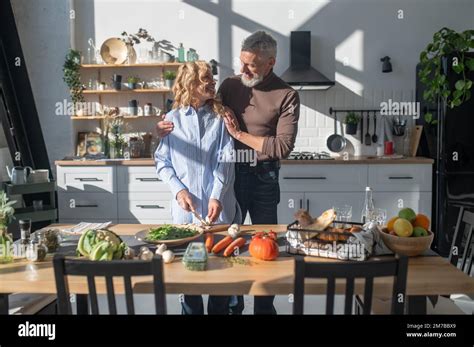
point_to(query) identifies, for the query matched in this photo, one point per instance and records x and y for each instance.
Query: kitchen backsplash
(315, 124)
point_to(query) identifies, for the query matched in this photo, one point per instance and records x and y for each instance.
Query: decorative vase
(6, 246)
(169, 83)
(351, 128)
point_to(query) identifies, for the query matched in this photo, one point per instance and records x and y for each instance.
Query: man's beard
(251, 82)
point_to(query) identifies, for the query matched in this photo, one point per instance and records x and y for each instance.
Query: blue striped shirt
(190, 157)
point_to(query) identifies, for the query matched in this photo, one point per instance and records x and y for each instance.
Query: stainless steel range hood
(301, 75)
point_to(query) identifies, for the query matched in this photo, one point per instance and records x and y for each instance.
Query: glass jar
(51, 238)
(36, 250)
(136, 146)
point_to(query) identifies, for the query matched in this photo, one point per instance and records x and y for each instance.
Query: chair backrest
(108, 269)
(465, 223)
(352, 270)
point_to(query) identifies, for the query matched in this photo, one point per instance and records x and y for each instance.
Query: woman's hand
(231, 123)
(215, 208)
(164, 128)
(185, 200)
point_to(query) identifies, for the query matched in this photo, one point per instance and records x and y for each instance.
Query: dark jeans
(258, 193)
(193, 304)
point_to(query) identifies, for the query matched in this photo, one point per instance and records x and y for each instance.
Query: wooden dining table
(242, 275)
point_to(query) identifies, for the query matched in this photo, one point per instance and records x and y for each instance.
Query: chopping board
(415, 140)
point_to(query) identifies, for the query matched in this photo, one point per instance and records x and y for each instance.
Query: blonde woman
(190, 161)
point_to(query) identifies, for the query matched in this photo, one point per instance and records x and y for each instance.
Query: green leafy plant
(446, 43)
(352, 118)
(170, 75)
(133, 79)
(72, 75)
(6, 210)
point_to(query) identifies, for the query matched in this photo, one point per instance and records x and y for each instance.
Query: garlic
(208, 220)
(234, 231)
(168, 256)
(129, 253)
(160, 249)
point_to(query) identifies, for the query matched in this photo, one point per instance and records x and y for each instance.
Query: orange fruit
(390, 223)
(422, 221)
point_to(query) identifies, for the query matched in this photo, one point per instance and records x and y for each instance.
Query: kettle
(19, 174)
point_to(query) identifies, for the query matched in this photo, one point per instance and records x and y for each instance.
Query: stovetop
(310, 156)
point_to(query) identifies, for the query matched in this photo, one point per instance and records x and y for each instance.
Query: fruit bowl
(409, 246)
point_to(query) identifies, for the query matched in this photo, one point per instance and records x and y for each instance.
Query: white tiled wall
(316, 125)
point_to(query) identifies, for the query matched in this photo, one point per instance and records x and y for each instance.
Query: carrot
(222, 244)
(209, 237)
(238, 242)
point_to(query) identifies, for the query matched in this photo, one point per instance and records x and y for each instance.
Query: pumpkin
(264, 246)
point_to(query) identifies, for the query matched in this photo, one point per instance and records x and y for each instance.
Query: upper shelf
(126, 91)
(105, 66)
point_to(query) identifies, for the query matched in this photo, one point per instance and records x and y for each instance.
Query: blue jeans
(258, 193)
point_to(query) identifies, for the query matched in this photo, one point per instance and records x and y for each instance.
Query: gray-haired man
(264, 118)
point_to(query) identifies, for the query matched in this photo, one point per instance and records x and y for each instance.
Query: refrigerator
(453, 170)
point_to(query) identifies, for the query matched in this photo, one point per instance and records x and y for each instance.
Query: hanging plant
(72, 75)
(446, 42)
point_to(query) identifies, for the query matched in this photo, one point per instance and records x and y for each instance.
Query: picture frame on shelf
(94, 144)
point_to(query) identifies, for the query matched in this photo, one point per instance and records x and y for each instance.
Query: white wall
(362, 31)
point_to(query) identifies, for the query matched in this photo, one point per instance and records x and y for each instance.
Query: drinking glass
(378, 215)
(343, 214)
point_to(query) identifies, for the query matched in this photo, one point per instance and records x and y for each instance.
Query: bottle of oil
(368, 205)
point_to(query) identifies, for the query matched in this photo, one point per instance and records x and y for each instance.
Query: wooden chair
(108, 269)
(350, 271)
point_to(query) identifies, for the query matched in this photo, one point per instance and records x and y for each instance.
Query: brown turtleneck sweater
(270, 109)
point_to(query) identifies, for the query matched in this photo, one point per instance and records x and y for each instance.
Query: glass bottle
(368, 205)
(181, 57)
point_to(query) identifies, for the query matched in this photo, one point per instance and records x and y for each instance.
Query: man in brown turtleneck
(262, 116)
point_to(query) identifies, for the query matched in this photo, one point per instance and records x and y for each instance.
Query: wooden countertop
(351, 160)
(427, 275)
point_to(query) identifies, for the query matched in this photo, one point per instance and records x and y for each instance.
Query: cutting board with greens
(169, 234)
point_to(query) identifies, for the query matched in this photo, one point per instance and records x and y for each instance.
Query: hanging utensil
(335, 142)
(374, 136)
(362, 127)
(367, 134)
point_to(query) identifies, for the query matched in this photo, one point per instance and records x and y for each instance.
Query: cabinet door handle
(400, 178)
(148, 179)
(150, 206)
(88, 205)
(305, 178)
(301, 203)
(88, 179)
(307, 205)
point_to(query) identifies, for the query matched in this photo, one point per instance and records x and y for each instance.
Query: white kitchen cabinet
(323, 178)
(139, 179)
(420, 202)
(86, 178)
(144, 206)
(400, 178)
(90, 206)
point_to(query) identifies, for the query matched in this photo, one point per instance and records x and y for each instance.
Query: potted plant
(72, 76)
(6, 215)
(351, 121)
(169, 76)
(132, 82)
(447, 47)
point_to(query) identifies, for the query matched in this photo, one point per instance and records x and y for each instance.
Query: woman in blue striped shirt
(192, 160)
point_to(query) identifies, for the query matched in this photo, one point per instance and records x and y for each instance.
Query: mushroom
(168, 256)
(160, 249)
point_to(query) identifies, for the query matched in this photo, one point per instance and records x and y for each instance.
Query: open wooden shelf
(105, 66)
(127, 91)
